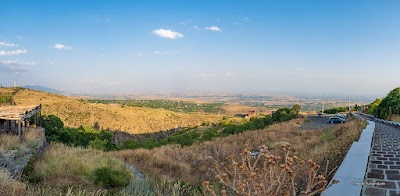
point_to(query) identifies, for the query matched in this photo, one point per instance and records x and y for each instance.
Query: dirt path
(136, 173)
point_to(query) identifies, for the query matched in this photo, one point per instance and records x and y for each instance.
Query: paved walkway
(383, 172)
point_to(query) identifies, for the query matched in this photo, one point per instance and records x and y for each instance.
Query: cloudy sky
(325, 47)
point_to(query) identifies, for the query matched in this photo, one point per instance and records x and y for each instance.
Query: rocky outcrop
(120, 136)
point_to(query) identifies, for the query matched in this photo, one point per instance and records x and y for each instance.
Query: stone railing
(388, 122)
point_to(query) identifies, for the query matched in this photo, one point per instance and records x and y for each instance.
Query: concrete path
(383, 171)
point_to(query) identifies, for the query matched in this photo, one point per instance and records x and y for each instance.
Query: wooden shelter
(17, 118)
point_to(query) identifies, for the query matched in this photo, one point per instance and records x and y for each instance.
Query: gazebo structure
(17, 118)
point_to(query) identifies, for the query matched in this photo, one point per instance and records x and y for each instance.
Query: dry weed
(267, 174)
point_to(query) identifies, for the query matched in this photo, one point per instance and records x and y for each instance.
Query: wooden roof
(18, 112)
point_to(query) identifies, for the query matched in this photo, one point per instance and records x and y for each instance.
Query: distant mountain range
(43, 88)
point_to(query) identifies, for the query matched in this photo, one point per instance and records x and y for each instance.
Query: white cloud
(16, 65)
(300, 68)
(164, 53)
(14, 52)
(196, 27)
(213, 28)
(165, 33)
(61, 47)
(7, 44)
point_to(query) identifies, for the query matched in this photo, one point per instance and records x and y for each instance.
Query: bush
(336, 110)
(150, 143)
(82, 136)
(130, 144)
(110, 178)
(98, 144)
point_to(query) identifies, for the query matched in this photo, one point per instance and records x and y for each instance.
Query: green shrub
(82, 136)
(109, 178)
(336, 110)
(98, 144)
(130, 144)
(150, 143)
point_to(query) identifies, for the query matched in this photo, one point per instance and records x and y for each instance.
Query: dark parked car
(336, 119)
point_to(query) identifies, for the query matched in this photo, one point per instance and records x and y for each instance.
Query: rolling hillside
(75, 113)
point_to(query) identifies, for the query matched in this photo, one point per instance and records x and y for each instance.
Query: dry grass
(9, 186)
(396, 117)
(232, 109)
(33, 139)
(267, 174)
(75, 113)
(8, 142)
(62, 166)
(192, 165)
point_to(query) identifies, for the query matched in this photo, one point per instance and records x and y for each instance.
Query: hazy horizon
(321, 48)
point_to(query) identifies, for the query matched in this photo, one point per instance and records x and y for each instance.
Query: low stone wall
(353, 167)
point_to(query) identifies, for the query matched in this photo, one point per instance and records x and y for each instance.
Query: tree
(372, 107)
(296, 108)
(356, 107)
(391, 100)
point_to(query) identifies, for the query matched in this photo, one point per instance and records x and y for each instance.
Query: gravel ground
(316, 122)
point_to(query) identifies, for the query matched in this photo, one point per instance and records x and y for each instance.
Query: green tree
(391, 100)
(296, 108)
(373, 107)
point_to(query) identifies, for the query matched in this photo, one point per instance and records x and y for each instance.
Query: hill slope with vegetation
(75, 113)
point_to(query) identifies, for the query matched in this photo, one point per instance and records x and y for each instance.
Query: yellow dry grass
(232, 109)
(75, 113)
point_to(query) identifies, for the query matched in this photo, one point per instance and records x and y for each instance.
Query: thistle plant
(266, 174)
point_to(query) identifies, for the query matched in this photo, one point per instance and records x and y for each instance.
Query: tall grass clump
(8, 142)
(9, 186)
(63, 166)
(266, 174)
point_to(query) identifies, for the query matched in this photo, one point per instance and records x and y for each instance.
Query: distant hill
(42, 88)
(75, 113)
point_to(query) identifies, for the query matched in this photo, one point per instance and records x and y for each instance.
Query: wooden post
(35, 119)
(6, 126)
(27, 122)
(19, 131)
(23, 130)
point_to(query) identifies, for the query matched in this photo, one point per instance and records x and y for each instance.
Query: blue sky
(348, 48)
